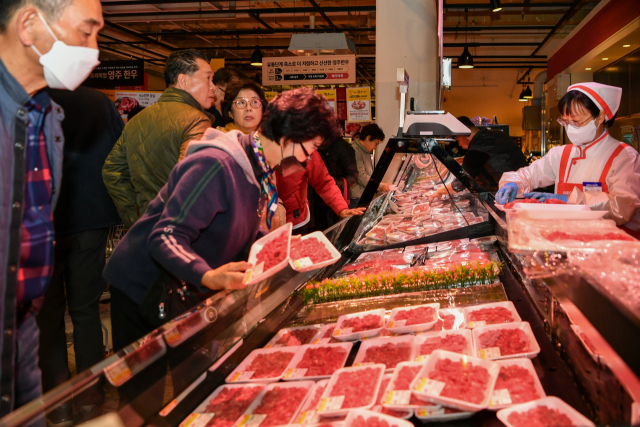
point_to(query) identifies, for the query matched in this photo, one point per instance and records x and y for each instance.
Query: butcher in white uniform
(595, 169)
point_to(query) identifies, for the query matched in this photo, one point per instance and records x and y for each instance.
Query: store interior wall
(155, 81)
(406, 37)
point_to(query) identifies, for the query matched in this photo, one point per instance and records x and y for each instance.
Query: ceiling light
(521, 97)
(495, 6)
(626, 45)
(605, 59)
(588, 69)
(256, 57)
(527, 93)
(465, 60)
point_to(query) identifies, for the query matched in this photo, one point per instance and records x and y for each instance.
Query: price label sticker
(273, 345)
(422, 358)
(197, 420)
(322, 341)
(365, 363)
(172, 337)
(500, 397)
(303, 262)
(397, 323)
(242, 376)
(477, 324)
(489, 353)
(308, 417)
(397, 397)
(295, 373)
(254, 272)
(344, 331)
(430, 411)
(332, 403)
(429, 386)
(118, 374)
(252, 420)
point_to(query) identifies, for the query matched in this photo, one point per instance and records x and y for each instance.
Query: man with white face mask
(596, 169)
(42, 43)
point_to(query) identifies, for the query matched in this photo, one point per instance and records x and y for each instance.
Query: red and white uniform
(606, 160)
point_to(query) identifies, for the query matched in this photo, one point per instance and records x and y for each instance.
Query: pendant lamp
(465, 60)
(495, 6)
(522, 96)
(256, 57)
(527, 93)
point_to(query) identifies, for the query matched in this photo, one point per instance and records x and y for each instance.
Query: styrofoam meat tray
(392, 421)
(291, 373)
(398, 327)
(307, 414)
(434, 396)
(437, 413)
(387, 398)
(325, 406)
(281, 332)
(549, 211)
(523, 363)
(408, 340)
(318, 339)
(305, 264)
(504, 304)
(256, 274)
(534, 348)
(550, 402)
(238, 375)
(345, 335)
(201, 410)
(407, 413)
(304, 384)
(458, 323)
(421, 338)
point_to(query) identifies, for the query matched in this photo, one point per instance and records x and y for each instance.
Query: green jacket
(149, 147)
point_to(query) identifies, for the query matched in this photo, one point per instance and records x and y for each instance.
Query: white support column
(406, 37)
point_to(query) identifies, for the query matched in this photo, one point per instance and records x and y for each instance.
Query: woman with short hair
(243, 106)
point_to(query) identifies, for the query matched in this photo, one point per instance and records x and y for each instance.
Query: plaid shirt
(37, 238)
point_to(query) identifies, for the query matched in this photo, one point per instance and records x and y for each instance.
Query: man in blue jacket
(42, 43)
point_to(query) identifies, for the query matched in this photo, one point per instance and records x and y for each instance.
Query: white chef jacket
(588, 163)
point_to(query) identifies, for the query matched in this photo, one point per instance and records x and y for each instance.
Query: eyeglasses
(304, 150)
(573, 124)
(220, 89)
(241, 103)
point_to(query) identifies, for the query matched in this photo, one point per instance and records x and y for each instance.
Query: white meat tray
(281, 332)
(407, 340)
(421, 338)
(504, 304)
(398, 327)
(549, 211)
(291, 375)
(307, 413)
(344, 335)
(237, 375)
(305, 264)
(386, 400)
(256, 274)
(392, 421)
(534, 348)
(304, 384)
(550, 402)
(458, 313)
(318, 339)
(324, 408)
(523, 363)
(201, 411)
(437, 413)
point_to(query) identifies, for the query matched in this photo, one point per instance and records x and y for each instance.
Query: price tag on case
(429, 386)
(477, 324)
(500, 397)
(172, 336)
(397, 323)
(330, 403)
(303, 262)
(119, 373)
(345, 331)
(308, 417)
(489, 353)
(295, 373)
(322, 341)
(254, 272)
(430, 411)
(397, 397)
(197, 420)
(252, 420)
(242, 376)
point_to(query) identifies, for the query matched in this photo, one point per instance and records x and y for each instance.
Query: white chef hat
(607, 98)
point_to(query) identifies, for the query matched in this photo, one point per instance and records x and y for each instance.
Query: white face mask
(583, 135)
(66, 67)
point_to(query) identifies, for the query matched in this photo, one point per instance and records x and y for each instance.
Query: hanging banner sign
(111, 74)
(358, 104)
(330, 96)
(131, 103)
(269, 96)
(304, 70)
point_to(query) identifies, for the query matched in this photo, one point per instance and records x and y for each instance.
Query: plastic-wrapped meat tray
(489, 314)
(449, 319)
(307, 413)
(263, 365)
(269, 255)
(227, 403)
(351, 388)
(517, 383)
(397, 394)
(313, 362)
(279, 402)
(405, 414)
(387, 351)
(457, 381)
(291, 337)
(456, 341)
(366, 324)
(324, 336)
(419, 318)
(364, 418)
(505, 341)
(546, 412)
(312, 251)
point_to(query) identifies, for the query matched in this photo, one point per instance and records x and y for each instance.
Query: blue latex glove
(542, 197)
(507, 193)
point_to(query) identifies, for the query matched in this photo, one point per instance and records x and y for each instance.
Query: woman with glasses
(595, 169)
(243, 105)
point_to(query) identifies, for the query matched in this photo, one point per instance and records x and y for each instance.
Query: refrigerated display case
(587, 340)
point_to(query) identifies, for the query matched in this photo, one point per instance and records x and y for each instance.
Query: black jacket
(217, 115)
(340, 159)
(490, 154)
(91, 127)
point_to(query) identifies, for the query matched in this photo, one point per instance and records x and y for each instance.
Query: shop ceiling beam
(132, 33)
(561, 22)
(263, 47)
(261, 11)
(458, 29)
(115, 40)
(488, 44)
(504, 5)
(257, 18)
(507, 66)
(254, 31)
(521, 79)
(128, 55)
(324, 15)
